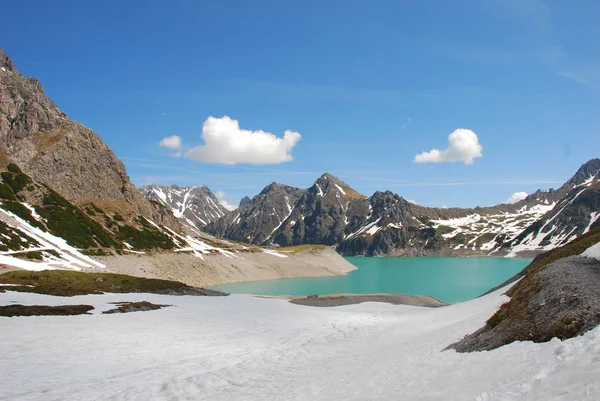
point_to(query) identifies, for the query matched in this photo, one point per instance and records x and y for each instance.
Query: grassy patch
(441, 230)
(70, 283)
(496, 319)
(302, 248)
(44, 310)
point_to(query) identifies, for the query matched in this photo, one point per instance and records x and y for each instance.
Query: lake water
(445, 278)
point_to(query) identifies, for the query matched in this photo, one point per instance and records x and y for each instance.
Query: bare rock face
(61, 153)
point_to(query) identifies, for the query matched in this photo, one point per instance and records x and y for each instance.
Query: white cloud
(227, 143)
(463, 146)
(221, 196)
(516, 197)
(411, 201)
(171, 142)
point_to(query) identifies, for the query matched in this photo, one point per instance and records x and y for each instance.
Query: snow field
(245, 348)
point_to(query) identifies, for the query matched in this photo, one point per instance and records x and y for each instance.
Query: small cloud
(171, 142)
(163, 114)
(444, 207)
(463, 146)
(411, 201)
(148, 180)
(406, 123)
(227, 143)
(516, 197)
(221, 196)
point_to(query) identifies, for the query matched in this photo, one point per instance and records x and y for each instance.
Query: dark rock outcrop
(256, 221)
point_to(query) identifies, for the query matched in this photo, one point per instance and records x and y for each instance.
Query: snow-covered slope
(244, 348)
(51, 252)
(196, 205)
(574, 215)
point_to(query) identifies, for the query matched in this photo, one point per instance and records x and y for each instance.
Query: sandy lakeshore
(221, 269)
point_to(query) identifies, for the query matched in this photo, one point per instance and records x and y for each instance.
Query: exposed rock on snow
(557, 296)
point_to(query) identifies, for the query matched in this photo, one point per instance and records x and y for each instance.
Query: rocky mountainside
(332, 213)
(574, 215)
(61, 153)
(256, 221)
(196, 205)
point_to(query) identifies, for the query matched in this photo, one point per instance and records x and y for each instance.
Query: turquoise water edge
(449, 279)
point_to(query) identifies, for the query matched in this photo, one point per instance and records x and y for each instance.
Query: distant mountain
(244, 200)
(332, 213)
(197, 205)
(575, 214)
(256, 221)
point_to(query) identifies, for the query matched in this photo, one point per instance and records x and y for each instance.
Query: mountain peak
(244, 200)
(328, 182)
(587, 170)
(5, 61)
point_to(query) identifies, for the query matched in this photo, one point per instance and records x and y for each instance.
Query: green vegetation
(66, 221)
(6, 192)
(146, 238)
(14, 241)
(23, 212)
(441, 230)
(36, 255)
(13, 168)
(97, 209)
(117, 217)
(16, 181)
(70, 283)
(96, 252)
(495, 319)
(44, 310)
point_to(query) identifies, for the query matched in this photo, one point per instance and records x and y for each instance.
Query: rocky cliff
(61, 153)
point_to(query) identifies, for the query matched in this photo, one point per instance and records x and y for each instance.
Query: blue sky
(367, 85)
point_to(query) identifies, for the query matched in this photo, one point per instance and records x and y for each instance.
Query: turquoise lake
(445, 278)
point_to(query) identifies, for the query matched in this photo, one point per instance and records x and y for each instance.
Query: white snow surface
(246, 348)
(593, 252)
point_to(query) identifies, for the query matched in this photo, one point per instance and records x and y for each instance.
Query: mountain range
(65, 195)
(331, 213)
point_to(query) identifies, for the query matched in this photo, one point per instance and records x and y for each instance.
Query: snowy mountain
(332, 213)
(256, 221)
(574, 215)
(196, 205)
